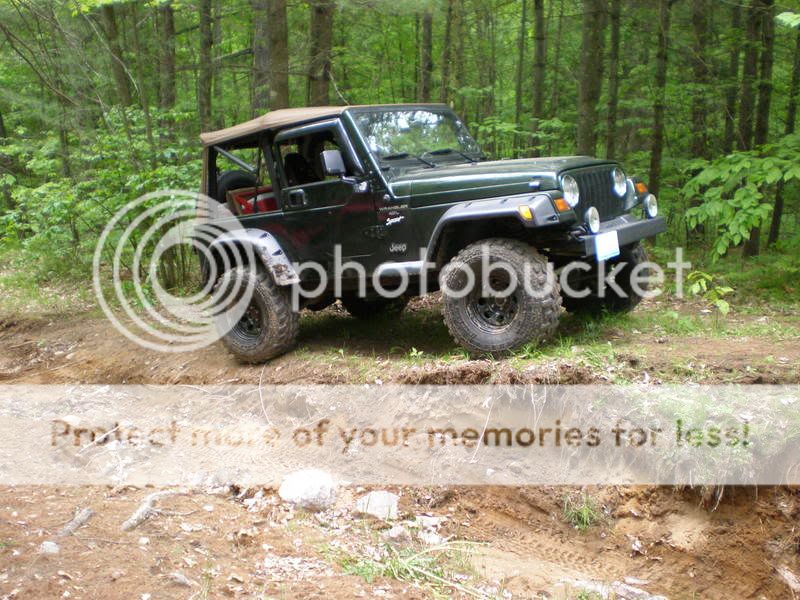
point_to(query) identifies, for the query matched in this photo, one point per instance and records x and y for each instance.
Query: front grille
(596, 188)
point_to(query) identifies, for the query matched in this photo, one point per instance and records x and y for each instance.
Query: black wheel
(269, 326)
(514, 309)
(627, 261)
(233, 180)
(370, 307)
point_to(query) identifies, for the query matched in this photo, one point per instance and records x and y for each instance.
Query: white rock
(428, 522)
(628, 592)
(143, 541)
(49, 547)
(430, 538)
(312, 489)
(382, 505)
(398, 533)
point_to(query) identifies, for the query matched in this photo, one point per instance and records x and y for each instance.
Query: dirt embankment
(90, 350)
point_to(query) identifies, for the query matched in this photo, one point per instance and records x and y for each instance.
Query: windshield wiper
(401, 155)
(443, 151)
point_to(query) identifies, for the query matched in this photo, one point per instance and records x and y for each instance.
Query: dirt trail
(89, 350)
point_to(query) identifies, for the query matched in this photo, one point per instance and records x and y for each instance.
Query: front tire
(613, 302)
(484, 322)
(269, 326)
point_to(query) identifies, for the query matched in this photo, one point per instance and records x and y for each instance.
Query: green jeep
(373, 205)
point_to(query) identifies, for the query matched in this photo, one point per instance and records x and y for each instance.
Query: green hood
(472, 181)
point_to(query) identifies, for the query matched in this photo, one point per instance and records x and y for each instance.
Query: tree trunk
(765, 75)
(557, 61)
(733, 77)
(539, 52)
(749, 75)
(458, 59)
(216, 71)
(118, 70)
(660, 93)
(278, 36)
(523, 32)
(591, 74)
(447, 53)
(321, 41)
(426, 57)
(752, 246)
(791, 117)
(260, 56)
(613, 80)
(167, 71)
(206, 68)
(699, 145)
(3, 132)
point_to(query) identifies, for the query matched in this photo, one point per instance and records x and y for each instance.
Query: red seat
(248, 201)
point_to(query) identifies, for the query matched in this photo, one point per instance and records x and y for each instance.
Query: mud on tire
(493, 325)
(632, 256)
(269, 327)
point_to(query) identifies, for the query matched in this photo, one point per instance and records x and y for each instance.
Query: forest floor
(504, 542)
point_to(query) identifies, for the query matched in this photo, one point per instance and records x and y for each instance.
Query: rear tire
(269, 327)
(632, 256)
(369, 308)
(495, 325)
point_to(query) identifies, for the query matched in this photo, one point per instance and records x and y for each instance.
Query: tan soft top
(286, 116)
(271, 120)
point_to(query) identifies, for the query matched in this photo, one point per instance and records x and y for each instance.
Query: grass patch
(581, 513)
(432, 568)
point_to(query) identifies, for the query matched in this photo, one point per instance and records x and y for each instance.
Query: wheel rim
(493, 312)
(251, 324)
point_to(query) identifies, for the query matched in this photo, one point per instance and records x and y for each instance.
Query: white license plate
(606, 245)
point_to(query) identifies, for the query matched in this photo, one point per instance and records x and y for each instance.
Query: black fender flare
(542, 210)
(264, 247)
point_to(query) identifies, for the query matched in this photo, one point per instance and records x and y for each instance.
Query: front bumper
(629, 230)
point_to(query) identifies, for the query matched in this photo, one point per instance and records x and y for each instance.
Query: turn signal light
(641, 188)
(561, 205)
(525, 212)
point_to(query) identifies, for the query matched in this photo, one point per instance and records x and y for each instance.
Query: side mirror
(333, 163)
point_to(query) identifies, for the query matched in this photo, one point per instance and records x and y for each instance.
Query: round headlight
(619, 182)
(571, 193)
(651, 206)
(592, 219)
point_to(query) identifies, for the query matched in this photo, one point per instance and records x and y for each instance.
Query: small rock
(180, 579)
(49, 547)
(311, 489)
(428, 522)
(623, 591)
(398, 534)
(430, 538)
(143, 541)
(382, 505)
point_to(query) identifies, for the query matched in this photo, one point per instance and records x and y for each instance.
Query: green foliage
(703, 284)
(733, 190)
(581, 513)
(62, 202)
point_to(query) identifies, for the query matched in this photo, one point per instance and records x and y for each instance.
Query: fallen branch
(79, 520)
(146, 508)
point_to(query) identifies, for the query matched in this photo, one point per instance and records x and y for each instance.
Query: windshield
(420, 136)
